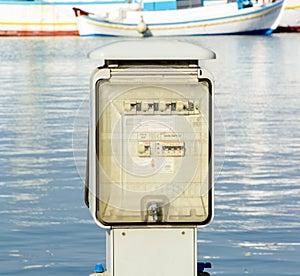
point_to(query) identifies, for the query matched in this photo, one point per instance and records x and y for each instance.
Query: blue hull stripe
(256, 32)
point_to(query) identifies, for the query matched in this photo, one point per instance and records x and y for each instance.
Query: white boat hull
(290, 20)
(210, 20)
(30, 18)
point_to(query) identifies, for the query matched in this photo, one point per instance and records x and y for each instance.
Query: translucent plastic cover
(153, 144)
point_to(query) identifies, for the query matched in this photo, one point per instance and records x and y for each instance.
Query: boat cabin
(156, 5)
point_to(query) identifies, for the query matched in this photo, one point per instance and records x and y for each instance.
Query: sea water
(45, 227)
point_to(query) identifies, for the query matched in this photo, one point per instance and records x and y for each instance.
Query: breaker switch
(161, 148)
(144, 149)
(160, 107)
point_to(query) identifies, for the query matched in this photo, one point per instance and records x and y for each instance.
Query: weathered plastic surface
(151, 50)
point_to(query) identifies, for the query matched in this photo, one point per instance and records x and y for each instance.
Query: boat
(290, 21)
(177, 18)
(46, 18)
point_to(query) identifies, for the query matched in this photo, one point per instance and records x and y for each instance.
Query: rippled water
(45, 227)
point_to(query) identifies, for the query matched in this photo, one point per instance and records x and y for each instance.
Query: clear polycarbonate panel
(153, 146)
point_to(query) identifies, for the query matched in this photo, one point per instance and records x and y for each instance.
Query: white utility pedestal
(148, 252)
(150, 156)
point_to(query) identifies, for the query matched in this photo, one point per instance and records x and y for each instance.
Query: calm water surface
(46, 228)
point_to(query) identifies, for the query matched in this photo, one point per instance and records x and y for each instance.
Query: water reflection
(43, 117)
(257, 193)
